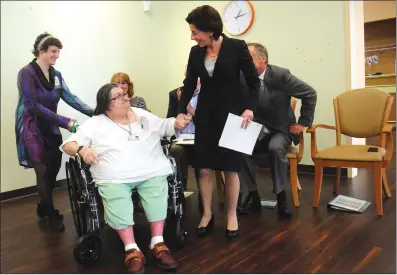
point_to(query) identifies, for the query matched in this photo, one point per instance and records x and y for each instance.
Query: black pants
(46, 159)
(276, 145)
(183, 155)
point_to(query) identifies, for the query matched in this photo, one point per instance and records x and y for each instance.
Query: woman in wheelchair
(122, 145)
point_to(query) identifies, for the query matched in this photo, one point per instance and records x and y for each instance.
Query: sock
(131, 246)
(155, 240)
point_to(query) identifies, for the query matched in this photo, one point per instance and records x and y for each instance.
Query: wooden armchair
(360, 113)
(294, 157)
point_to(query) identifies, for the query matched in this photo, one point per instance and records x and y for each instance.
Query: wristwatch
(78, 150)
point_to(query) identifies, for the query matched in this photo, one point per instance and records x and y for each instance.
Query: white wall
(357, 58)
(298, 36)
(101, 38)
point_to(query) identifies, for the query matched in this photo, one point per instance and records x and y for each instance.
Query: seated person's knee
(277, 150)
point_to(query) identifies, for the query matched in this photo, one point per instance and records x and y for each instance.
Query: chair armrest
(388, 128)
(315, 126)
(312, 131)
(301, 147)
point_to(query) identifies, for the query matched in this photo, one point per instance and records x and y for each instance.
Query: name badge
(57, 83)
(144, 122)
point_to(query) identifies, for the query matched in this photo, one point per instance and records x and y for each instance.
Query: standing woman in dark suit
(217, 60)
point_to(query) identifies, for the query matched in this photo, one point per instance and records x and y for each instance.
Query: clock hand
(238, 15)
(242, 15)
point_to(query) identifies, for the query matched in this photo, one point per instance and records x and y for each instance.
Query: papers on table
(185, 139)
(239, 139)
(185, 142)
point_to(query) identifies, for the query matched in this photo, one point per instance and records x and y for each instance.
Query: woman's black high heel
(230, 234)
(205, 231)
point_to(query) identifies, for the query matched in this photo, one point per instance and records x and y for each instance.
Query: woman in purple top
(37, 123)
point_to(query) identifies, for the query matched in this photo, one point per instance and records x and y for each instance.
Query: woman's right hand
(182, 121)
(89, 155)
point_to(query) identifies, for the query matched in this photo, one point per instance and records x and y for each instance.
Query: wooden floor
(313, 241)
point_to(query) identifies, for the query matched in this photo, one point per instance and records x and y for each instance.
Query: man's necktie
(262, 101)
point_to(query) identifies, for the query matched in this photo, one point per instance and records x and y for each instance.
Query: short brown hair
(206, 19)
(123, 77)
(260, 50)
(51, 41)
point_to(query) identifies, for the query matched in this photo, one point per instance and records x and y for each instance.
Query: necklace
(130, 137)
(211, 53)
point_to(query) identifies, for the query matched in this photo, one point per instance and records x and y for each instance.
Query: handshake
(182, 121)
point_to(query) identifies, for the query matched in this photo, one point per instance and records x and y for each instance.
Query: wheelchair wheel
(78, 211)
(88, 250)
(180, 232)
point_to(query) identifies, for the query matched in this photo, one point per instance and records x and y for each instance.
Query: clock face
(238, 17)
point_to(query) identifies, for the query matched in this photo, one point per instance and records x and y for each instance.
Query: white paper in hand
(239, 139)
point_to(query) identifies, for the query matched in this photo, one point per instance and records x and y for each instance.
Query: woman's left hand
(182, 121)
(247, 116)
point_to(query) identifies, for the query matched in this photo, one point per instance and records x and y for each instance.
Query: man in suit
(174, 97)
(275, 113)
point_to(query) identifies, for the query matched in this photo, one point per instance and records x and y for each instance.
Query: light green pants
(119, 208)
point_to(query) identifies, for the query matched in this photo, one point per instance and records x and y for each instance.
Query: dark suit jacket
(221, 92)
(173, 103)
(274, 110)
(220, 95)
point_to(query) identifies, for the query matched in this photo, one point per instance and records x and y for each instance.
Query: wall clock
(238, 17)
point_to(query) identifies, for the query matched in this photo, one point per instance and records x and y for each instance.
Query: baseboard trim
(27, 191)
(309, 169)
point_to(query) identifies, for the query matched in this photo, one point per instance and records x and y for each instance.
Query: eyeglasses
(120, 97)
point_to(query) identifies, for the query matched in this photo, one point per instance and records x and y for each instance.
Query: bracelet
(78, 150)
(74, 127)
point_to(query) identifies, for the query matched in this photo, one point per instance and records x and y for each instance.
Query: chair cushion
(351, 153)
(293, 152)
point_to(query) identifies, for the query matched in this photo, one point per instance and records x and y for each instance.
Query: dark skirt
(208, 154)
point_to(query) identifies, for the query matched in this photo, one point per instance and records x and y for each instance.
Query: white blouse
(124, 159)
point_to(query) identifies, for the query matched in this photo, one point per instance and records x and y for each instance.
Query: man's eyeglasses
(120, 97)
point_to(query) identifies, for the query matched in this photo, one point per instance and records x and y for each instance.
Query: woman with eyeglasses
(123, 80)
(122, 145)
(37, 122)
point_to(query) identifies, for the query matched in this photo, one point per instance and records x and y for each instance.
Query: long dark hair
(103, 98)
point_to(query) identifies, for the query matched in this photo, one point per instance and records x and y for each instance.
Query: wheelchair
(87, 209)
